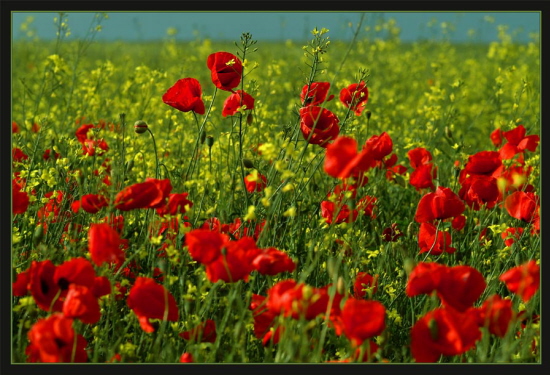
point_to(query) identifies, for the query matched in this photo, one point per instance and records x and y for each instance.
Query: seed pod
(140, 126)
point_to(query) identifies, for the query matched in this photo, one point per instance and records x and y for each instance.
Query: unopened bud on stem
(140, 126)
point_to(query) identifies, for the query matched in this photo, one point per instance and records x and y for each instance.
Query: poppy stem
(156, 154)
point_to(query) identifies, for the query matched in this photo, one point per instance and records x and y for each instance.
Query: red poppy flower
(52, 209)
(480, 191)
(272, 261)
(89, 147)
(392, 169)
(458, 222)
(205, 246)
(82, 132)
(77, 271)
(20, 287)
(101, 287)
(235, 101)
(511, 235)
(186, 358)
(364, 281)
(287, 297)
(523, 280)
(434, 241)
(203, 332)
(150, 300)
(92, 203)
(53, 339)
(419, 156)
(363, 319)
(104, 244)
(14, 127)
(443, 331)
(496, 314)
(20, 199)
(334, 213)
(80, 303)
(424, 278)
(367, 206)
(460, 286)
(496, 137)
(185, 95)
(18, 155)
(42, 286)
(342, 159)
(423, 176)
(315, 94)
(355, 97)
(523, 206)
(379, 146)
(518, 142)
(263, 318)
(486, 163)
(225, 70)
(176, 204)
(439, 205)
(392, 233)
(319, 126)
(235, 263)
(255, 182)
(149, 194)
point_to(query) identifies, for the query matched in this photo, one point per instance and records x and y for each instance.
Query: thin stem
(156, 154)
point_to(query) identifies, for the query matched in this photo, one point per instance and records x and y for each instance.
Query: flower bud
(140, 126)
(368, 114)
(248, 163)
(341, 285)
(249, 118)
(202, 137)
(209, 140)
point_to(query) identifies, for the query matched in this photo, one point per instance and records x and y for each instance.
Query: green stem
(156, 154)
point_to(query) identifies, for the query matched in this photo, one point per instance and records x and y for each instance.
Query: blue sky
(135, 26)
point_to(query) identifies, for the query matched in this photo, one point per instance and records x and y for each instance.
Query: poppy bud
(140, 126)
(340, 285)
(249, 118)
(37, 235)
(368, 114)
(209, 140)
(202, 136)
(248, 163)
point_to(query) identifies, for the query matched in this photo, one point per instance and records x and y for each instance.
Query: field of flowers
(259, 202)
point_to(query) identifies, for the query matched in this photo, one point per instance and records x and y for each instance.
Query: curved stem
(156, 154)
